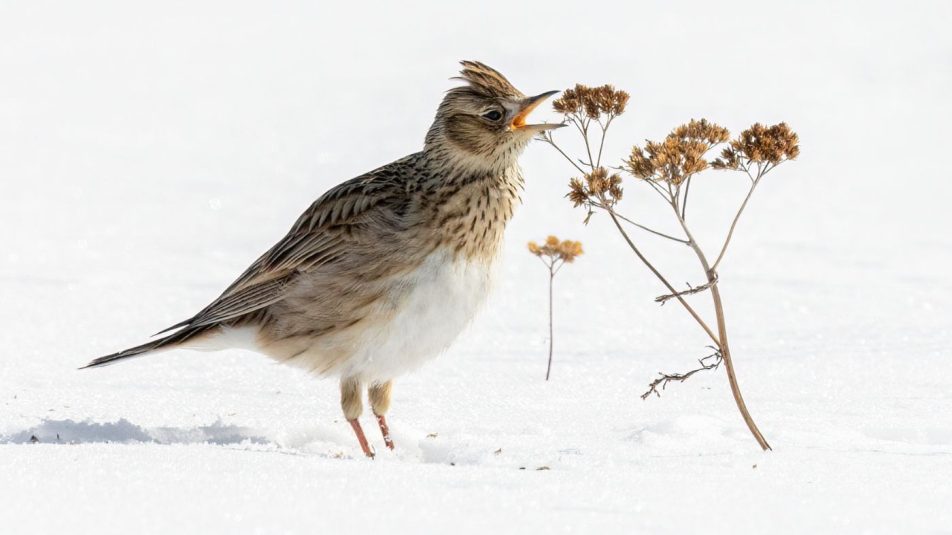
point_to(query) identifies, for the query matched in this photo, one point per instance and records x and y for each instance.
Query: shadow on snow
(124, 431)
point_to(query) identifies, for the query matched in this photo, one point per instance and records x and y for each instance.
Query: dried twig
(665, 378)
(740, 211)
(647, 229)
(691, 290)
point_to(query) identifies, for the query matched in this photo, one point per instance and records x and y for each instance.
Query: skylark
(383, 271)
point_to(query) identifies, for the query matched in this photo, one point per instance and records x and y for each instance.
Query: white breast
(443, 297)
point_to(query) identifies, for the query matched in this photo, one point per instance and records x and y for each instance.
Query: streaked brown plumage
(383, 270)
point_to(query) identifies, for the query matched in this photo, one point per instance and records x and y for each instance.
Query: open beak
(525, 108)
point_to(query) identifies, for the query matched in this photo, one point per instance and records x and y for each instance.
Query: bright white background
(150, 151)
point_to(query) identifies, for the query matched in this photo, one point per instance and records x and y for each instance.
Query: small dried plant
(667, 168)
(554, 253)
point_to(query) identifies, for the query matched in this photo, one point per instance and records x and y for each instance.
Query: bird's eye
(493, 115)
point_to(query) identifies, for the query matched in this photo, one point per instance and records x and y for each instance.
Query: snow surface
(150, 151)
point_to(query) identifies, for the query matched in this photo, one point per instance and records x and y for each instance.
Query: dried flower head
(577, 193)
(554, 253)
(679, 156)
(591, 102)
(702, 130)
(597, 187)
(760, 144)
(554, 250)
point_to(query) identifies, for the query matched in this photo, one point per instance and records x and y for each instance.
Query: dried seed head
(760, 144)
(729, 159)
(554, 250)
(569, 250)
(569, 102)
(597, 187)
(679, 156)
(702, 130)
(615, 190)
(577, 193)
(597, 181)
(582, 101)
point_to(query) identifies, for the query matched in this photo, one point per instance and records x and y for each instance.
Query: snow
(149, 152)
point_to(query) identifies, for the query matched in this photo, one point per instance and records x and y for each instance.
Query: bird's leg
(361, 438)
(379, 394)
(350, 402)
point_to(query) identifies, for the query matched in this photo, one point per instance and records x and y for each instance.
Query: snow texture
(150, 151)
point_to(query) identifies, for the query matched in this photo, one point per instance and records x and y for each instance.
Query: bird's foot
(385, 430)
(359, 431)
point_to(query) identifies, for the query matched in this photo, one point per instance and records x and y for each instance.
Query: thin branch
(660, 277)
(657, 189)
(665, 378)
(746, 169)
(730, 233)
(761, 171)
(548, 139)
(548, 368)
(692, 242)
(578, 125)
(684, 203)
(601, 143)
(588, 148)
(690, 291)
(647, 229)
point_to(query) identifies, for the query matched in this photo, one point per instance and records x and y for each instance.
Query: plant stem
(548, 369)
(729, 366)
(722, 344)
(730, 233)
(588, 148)
(663, 280)
(601, 143)
(550, 141)
(684, 205)
(647, 229)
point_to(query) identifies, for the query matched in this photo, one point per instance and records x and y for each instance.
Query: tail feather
(166, 342)
(176, 326)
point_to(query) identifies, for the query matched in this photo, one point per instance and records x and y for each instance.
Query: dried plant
(668, 167)
(554, 253)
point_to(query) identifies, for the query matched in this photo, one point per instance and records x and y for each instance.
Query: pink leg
(359, 431)
(385, 430)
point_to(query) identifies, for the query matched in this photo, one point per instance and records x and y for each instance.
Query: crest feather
(486, 80)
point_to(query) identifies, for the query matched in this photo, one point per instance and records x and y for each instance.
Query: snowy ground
(148, 154)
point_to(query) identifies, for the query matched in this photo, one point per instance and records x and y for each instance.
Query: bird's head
(483, 124)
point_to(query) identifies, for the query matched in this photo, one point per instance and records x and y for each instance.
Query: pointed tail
(166, 342)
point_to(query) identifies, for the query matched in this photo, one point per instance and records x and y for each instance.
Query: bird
(383, 271)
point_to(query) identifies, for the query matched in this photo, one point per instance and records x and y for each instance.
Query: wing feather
(321, 235)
